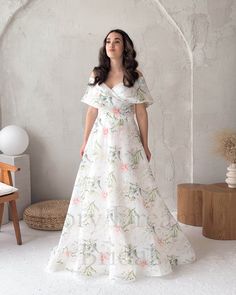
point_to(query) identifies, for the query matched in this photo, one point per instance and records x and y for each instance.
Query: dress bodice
(118, 98)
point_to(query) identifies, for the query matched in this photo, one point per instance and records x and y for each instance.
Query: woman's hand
(82, 148)
(148, 153)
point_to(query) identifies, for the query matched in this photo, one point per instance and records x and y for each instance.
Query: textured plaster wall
(186, 50)
(8, 10)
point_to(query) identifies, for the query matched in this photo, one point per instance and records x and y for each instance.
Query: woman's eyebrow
(115, 38)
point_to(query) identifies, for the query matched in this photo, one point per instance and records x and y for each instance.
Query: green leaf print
(111, 179)
(174, 230)
(89, 215)
(134, 192)
(89, 271)
(105, 100)
(113, 154)
(154, 255)
(89, 184)
(131, 218)
(89, 247)
(137, 136)
(117, 123)
(128, 275)
(110, 115)
(149, 197)
(85, 161)
(141, 94)
(127, 254)
(135, 158)
(92, 208)
(173, 259)
(150, 226)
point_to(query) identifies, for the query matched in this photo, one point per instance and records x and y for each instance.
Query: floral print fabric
(117, 224)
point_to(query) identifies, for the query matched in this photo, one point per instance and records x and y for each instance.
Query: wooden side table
(211, 205)
(189, 203)
(219, 212)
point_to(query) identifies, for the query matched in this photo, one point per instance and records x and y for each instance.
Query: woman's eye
(115, 41)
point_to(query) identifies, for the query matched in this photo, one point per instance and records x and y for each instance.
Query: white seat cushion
(6, 189)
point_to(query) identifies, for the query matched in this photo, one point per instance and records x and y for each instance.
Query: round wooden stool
(219, 212)
(46, 215)
(189, 203)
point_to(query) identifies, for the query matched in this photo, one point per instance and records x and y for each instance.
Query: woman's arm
(89, 121)
(142, 119)
(90, 118)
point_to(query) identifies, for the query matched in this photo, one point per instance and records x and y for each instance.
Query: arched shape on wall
(9, 22)
(190, 53)
(50, 133)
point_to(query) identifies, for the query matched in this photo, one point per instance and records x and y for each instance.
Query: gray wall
(186, 50)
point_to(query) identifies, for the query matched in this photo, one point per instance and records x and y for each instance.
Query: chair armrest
(5, 173)
(4, 166)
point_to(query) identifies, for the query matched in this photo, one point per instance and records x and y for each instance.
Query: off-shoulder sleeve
(91, 95)
(143, 94)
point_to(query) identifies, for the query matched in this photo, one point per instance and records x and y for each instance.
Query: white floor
(22, 269)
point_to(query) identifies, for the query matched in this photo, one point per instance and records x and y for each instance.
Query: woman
(117, 224)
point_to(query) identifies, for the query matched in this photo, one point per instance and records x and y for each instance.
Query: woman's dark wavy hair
(129, 63)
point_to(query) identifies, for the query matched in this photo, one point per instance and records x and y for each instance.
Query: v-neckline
(120, 83)
(104, 85)
(111, 88)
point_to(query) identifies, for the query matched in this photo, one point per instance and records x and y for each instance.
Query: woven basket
(46, 215)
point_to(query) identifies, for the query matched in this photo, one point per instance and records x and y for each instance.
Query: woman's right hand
(82, 148)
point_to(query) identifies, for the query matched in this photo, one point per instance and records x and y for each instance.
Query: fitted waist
(115, 113)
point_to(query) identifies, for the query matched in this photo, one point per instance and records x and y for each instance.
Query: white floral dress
(117, 224)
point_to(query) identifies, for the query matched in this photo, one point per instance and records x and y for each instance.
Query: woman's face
(114, 45)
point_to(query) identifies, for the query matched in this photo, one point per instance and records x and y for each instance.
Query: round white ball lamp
(14, 140)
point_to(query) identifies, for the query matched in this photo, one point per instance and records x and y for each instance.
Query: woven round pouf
(46, 215)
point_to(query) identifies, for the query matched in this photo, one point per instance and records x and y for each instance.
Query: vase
(231, 175)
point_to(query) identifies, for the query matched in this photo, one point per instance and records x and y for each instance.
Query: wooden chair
(5, 177)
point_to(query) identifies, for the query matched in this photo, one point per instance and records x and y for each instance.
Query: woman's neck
(116, 66)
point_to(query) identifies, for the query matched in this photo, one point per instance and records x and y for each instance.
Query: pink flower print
(76, 201)
(67, 253)
(104, 257)
(124, 167)
(160, 241)
(105, 131)
(143, 263)
(145, 204)
(116, 112)
(104, 194)
(117, 228)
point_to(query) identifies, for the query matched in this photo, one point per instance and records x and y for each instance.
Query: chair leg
(15, 221)
(1, 213)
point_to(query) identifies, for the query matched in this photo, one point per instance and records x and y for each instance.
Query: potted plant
(226, 147)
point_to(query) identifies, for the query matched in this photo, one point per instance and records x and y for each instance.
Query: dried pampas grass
(226, 144)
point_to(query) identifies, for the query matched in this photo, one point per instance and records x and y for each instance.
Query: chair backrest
(5, 173)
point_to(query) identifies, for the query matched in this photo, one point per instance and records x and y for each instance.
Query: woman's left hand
(148, 153)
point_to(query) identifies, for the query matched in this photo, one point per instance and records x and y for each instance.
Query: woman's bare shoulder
(92, 74)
